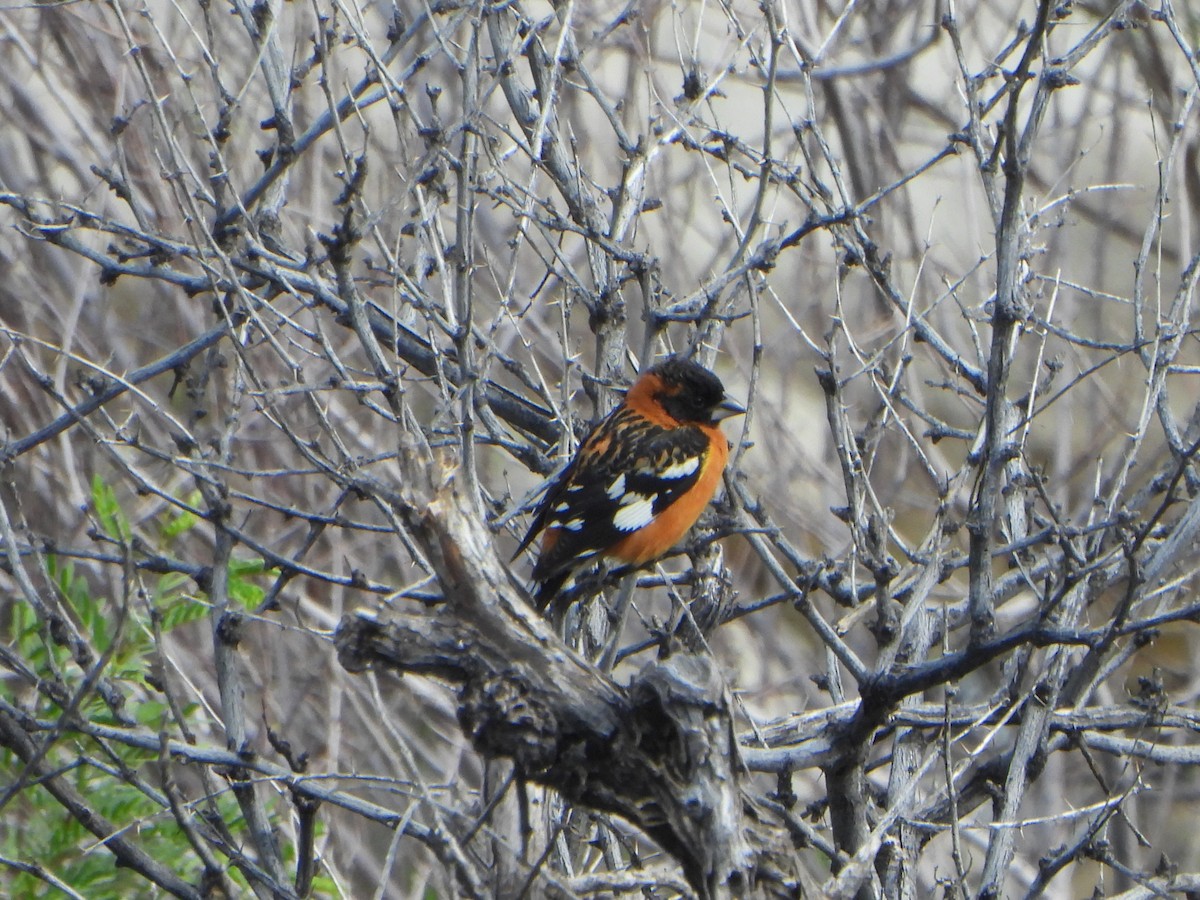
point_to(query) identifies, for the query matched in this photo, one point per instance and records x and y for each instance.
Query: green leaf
(108, 510)
(241, 586)
(150, 713)
(182, 610)
(179, 524)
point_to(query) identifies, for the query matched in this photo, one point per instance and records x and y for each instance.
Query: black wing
(627, 472)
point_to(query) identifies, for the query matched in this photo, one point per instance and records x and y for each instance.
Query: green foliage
(181, 522)
(38, 830)
(242, 586)
(108, 510)
(122, 629)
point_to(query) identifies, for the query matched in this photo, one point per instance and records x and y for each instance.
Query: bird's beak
(727, 408)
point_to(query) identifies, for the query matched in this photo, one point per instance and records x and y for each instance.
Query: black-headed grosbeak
(641, 478)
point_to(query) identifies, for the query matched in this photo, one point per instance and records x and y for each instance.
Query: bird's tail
(548, 588)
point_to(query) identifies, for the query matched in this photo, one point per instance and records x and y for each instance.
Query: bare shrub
(302, 303)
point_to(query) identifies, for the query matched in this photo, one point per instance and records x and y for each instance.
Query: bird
(640, 479)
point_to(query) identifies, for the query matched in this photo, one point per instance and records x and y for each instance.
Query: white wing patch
(681, 469)
(617, 488)
(637, 511)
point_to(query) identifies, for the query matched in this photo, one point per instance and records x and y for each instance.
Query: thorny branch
(303, 303)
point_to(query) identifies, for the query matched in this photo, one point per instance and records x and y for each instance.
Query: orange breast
(669, 526)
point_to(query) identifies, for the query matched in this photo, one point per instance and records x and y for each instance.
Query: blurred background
(249, 249)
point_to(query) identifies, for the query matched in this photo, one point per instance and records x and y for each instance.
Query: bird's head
(686, 390)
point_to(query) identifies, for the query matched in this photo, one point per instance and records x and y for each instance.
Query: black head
(689, 392)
